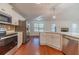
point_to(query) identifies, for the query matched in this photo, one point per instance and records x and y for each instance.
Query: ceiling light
(54, 17)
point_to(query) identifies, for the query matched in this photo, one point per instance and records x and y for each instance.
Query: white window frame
(38, 28)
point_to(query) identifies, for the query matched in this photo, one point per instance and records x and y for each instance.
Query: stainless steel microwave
(64, 29)
(5, 17)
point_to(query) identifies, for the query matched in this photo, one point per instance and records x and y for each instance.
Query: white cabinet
(20, 39)
(43, 38)
(8, 9)
(14, 18)
(54, 41)
(51, 39)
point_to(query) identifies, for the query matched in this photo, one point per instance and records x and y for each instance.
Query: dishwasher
(70, 45)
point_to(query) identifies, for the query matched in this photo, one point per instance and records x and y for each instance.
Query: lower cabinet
(20, 39)
(51, 39)
(54, 41)
(43, 38)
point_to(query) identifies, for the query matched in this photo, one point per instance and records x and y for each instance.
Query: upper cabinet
(8, 9)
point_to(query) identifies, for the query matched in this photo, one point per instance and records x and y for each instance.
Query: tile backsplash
(7, 27)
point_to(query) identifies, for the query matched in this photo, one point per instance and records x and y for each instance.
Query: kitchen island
(63, 41)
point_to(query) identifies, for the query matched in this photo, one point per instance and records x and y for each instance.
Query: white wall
(47, 26)
(67, 14)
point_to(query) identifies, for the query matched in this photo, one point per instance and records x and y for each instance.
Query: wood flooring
(33, 47)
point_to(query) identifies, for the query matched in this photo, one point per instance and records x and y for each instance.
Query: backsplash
(7, 27)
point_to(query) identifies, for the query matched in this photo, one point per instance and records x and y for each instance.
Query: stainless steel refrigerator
(22, 28)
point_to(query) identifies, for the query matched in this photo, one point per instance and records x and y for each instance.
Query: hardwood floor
(33, 48)
(46, 50)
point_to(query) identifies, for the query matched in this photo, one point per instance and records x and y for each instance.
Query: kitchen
(10, 36)
(55, 23)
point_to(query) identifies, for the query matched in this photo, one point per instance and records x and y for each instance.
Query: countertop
(74, 35)
(8, 34)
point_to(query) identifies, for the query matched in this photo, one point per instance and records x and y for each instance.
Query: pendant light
(54, 16)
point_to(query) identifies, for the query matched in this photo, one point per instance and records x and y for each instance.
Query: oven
(7, 43)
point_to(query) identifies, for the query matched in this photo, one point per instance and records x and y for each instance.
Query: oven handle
(8, 37)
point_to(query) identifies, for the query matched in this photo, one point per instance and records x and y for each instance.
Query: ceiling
(32, 10)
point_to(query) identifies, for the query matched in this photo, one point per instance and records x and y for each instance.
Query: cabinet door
(20, 39)
(49, 38)
(55, 41)
(43, 39)
(8, 9)
(14, 17)
(12, 13)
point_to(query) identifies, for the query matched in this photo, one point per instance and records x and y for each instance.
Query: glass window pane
(74, 27)
(35, 29)
(41, 30)
(53, 27)
(41, 25)
(38, 27)
(35, 25)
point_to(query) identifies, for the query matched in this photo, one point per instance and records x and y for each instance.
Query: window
(38, 27)
(28, 27)
(74, 27)
(35, 27)
(53, 27)
(41, 26)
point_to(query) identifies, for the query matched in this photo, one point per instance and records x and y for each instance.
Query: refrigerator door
(22, 28)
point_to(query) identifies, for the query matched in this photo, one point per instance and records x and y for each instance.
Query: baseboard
(54, 48)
